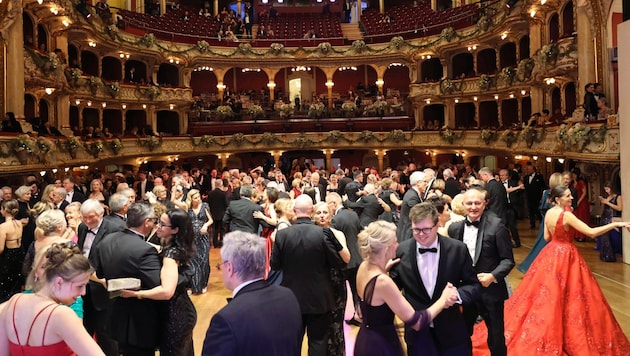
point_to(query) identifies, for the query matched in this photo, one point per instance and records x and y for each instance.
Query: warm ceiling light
(171, 106)
(124, 106)
(89, 103)
(77, 101)
(104, 105)
(144, 106)
(49, 90)
(475, 98)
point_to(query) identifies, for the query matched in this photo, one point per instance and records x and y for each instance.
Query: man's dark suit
(511, 212)
(533, 192)
(218, 203)
(347, 222)
(62, 206)
(239, 216)
(370, 208)
(497, 199)
(452, 187)
(117, 220)
(96, 303)
(410, 199)
(493, 254)
(134, 323)
(455, 266)
(148, 187)
(78, 196)
(305, 258)
(260, 319)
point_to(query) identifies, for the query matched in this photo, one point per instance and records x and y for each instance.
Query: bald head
(303, 206)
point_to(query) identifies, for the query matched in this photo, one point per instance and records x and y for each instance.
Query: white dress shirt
(428, 266)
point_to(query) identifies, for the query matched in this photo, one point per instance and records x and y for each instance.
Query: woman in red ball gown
(559, 309)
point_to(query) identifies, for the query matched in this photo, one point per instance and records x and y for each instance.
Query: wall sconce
(548, 159)
(40, 1)
(561, 160)
(532, 13)
(54, 170)
(171, 106)
(92, 44)
(176, 61)
(428, 101)
(535, 158)
(426, 56)
(42, 173)
(77, 102)
(472, 48)
(543, 2)
(66, 169)
(54, 10)
(89, 103)
(271, 85)
(523, 92)
(104, 105)
(144, 106)
(496, 96)
(463, 154)
(49, 90)
(475, 98)
(329, 84)
(122, 55)
(511, 95)
(65, 22)
(504, 35)
(123, 106)
(380, 82)
(550, 81)
(221, 86)
(456, 101)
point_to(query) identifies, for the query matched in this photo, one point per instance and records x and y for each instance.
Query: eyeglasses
(163, 224)
(221, 264)
(426, 230)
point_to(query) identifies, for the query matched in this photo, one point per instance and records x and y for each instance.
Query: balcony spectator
(262, 32)
(603, 108)
(590, 103)
(46, 129)
(10, 124)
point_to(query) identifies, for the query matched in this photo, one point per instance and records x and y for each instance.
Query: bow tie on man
(425, 250)
(473, 223)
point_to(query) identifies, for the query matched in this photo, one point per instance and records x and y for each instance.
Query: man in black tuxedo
(513, 189)
(142, 186)
(496, 194)
(489, 245)
(201, 181)
(343, 180)
(96, 304)
(218, 203)
(73, 193)
(353, 190)
(305, 258)
(413, 196)
(118, 206)
(534, 187)
(428, 261)
(239, 215)
(451, 184)
(260, 317)
(135, 323)
(347, 221)
(320, 190)
(58, 198)
(369, 205)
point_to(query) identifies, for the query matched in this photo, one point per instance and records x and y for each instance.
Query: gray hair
(50, 220)
(246, 252)
(138, 213)
(448, 173)
(416, 177)
(92, 205)
(246, 190)
(118, 201)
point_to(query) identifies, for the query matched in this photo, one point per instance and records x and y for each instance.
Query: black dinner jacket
(370, 208)
(347, 221)
(534, 190)
(261, 318)
(305, 258)
(410, 199)
(455, 266)
(497, 198)
(493, 253)
(98, 295)
(217, 203)
(239, 216)
(133, 321)
(117, 220)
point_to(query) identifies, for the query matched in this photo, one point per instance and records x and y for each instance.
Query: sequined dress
(177, 335)
(558, 309)
(200, 261)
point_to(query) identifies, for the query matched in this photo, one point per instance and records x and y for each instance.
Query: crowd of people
(431, 246)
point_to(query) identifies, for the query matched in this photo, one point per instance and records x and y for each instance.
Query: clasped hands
(450, 295)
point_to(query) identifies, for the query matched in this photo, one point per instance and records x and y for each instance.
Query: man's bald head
(303, 206)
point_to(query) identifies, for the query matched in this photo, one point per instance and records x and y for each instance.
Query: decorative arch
(507, 55)
(488, 114)
(203, 82)
(487, 61)
(396, 78)
(570, 99)
(433, 115)
(42, 39)
(168, 74)
(463, 64)
(554, 28)
(523, 47)
(28, 29)
(111, 68)
(44, 110)
(141, 71)
(89, 63)
(465, 115)
(431, 70)
(568, 24)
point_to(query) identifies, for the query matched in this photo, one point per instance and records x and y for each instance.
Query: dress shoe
(516, 245)
(354, 322)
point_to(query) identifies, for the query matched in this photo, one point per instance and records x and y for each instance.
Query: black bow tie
(228, 299)
(473, 223)
(425, 250)
(91, 232)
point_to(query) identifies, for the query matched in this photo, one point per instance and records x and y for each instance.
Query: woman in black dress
(381, 299)
(176, 235)
(11, 252)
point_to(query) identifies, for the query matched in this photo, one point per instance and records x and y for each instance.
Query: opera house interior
(123, 85)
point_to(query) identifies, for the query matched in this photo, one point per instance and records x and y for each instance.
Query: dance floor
(613, 278)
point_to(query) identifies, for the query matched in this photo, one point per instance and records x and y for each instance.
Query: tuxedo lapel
(479, 243)
(416, 272)
(442, 267)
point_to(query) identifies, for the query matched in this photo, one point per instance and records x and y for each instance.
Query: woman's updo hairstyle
(10, 206)
(66, 261)
(376, 237)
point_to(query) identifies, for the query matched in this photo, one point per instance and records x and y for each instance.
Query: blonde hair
(555, 180)
(189, 196)
(457, 205)
(376, 237)
(438, 184)
(282, 206)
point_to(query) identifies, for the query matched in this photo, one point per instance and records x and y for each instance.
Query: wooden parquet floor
(613, 278)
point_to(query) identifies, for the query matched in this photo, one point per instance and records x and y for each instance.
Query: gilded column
(328, 155)
(62, 108)
(162, 7)
(381, 6)
(380, 154)
(276, 157)
(357, 18)
(586, 51)
(14, 89)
